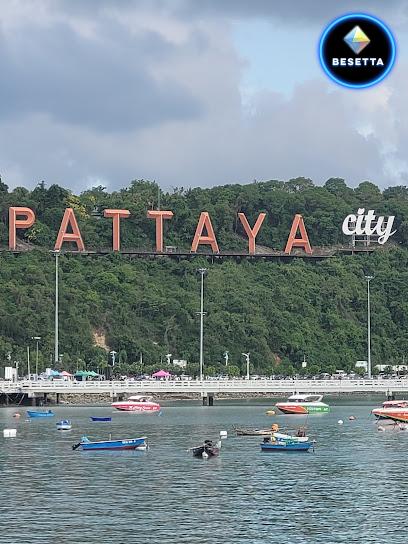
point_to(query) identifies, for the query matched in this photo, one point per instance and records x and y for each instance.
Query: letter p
(25, 222)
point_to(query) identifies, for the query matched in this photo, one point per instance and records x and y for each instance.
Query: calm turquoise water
(354, 488)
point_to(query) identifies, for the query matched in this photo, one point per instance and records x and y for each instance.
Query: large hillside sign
(360, 224)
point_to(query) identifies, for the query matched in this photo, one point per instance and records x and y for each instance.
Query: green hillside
(278, 311)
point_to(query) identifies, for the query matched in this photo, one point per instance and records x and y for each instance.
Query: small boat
(253, 432)
(64, 425)
(299, 437)
(94, 418)
(138, 404)
(207, 449)
(392, 410)
(287, 445)
(303, 404)
(33, 413)
(124, 444)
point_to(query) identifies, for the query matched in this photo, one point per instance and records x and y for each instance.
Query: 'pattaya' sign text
(24, 218)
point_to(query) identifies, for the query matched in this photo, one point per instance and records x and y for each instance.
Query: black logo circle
(357, 50)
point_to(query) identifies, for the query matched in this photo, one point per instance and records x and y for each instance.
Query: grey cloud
(104, 83)
(291, 11)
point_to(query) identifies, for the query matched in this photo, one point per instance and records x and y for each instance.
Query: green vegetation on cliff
(277, 311)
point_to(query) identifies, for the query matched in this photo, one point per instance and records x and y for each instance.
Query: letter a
(14, 223)
(298, 242)
(75, 237)
(210, 239)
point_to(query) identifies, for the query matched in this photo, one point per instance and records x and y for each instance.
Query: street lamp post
(28, 363)
(246, 355)
(56, 339)
(202, 271)
(368, 278)
(37, 338)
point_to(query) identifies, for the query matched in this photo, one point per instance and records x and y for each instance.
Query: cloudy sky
(191, 93)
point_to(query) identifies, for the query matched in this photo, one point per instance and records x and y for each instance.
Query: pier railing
(206, 386)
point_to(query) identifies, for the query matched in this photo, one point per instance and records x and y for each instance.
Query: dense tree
(145, 309)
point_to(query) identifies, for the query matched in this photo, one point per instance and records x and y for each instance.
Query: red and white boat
(394, 410)
(138, 404)
(303, 404)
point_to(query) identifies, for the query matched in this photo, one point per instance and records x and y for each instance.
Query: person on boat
(301, 432)
(274, 427)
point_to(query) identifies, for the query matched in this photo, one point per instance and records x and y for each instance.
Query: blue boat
(93, 418)
(64, 425)
(125, 444)
(33, 413)
(287, 445)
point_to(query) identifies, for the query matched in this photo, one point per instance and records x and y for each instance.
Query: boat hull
(211, 452)
(139, 407)
(287, 446)
(298, 408)
(394, 414)
(128, 444)
(32, 414)
(253, 432)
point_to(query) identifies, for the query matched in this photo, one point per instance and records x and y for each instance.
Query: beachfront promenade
(205, 387)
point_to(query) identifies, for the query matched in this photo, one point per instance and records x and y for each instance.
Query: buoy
(9, 433)
(223, 434)
(340, 422)
(270, 412)
(352, 418)
(16, 415)
(204, 455)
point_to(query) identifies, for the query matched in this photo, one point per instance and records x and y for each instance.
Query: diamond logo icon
(357, 40)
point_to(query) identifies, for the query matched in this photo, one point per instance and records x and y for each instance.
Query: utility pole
(37, 338)
(202, 271)
(56, 339)
(28, 363)
(368, 278)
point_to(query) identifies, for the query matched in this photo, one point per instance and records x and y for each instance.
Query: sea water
(353, 489)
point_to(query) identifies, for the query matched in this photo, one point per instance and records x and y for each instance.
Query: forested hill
(277, 311)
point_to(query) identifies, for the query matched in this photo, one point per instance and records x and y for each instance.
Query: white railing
(249, 386)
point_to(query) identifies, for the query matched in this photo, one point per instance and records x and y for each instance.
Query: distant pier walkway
(36, 390)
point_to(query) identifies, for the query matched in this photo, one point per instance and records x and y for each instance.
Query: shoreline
(104, 399)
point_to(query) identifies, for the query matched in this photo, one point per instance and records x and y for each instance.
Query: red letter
(210, 239)
(159, 215)
(74, 236)
(298, 242)
(116, 214)
(252, 233)
(14, 223)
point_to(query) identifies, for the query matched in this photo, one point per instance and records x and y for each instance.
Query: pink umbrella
(65, 373)
(161, 374)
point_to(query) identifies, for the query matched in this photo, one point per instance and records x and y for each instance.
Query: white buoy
(204, 455)
(223, 434)
(9, 433)
(340, 422)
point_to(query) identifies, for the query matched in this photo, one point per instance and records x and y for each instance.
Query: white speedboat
(64, 425)
(303, 404)
(140, 404)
